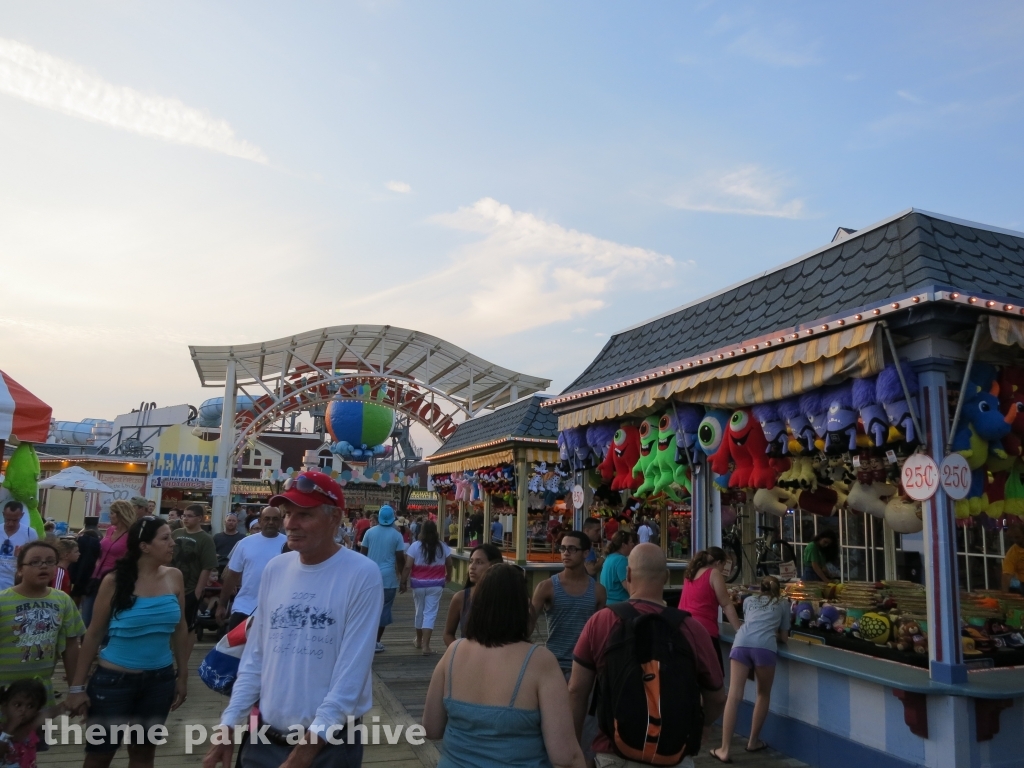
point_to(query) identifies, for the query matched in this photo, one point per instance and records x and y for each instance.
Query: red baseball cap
(311, 489)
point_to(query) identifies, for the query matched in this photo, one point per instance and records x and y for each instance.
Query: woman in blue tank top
(494, 698)
(140, 606)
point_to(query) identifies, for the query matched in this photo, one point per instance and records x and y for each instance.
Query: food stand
(498, 460)
(822, 388)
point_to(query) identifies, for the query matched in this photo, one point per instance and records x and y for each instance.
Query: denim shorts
(754, 657)
(128, 698)
(385, 612)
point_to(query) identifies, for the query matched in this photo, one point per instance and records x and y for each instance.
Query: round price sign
(955, 476)
(577, 496)
(920, 477)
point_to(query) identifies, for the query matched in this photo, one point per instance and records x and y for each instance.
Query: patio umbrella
(75, 479)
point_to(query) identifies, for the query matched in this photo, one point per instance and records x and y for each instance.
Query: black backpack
(648, 701)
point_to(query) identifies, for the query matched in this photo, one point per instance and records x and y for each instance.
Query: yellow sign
(182, 455)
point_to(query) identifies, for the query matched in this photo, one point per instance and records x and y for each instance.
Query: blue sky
(522, 179)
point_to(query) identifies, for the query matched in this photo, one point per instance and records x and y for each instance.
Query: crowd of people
(315, 591)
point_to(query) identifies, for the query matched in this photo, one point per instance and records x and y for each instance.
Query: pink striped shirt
(426, 574)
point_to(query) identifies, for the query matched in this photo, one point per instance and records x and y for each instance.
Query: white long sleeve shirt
(310, 648)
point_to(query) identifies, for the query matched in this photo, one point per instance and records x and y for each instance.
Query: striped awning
(791, 370)
(1006, 330)
(506, 456)
(22, 414)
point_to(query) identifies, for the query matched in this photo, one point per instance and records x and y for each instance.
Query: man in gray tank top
(569, 599)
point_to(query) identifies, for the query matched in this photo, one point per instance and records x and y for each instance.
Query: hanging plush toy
(710, 435)
(872, 414)
(622, 457)
(22, 481)
(688, 418)
(841, 421)
(579, 451)
(599, 438)
(777, 501)
(801, 433)
(903, 515)
(669, 472)
(815, 408)
(889, 392)
(646, 465)
(869, 498)
(746, 447)
(774, 428)
(981, 429)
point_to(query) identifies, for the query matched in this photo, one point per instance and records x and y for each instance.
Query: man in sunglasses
(310, 647)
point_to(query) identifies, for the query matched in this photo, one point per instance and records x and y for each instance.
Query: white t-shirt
(310, 650)
(762, 618)
(644, 533)
(249, 557)
(9, 546)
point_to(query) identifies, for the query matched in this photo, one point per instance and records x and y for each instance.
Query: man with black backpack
(658, 679)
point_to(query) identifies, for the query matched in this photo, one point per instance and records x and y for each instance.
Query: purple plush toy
(872, 414)
(774, 428)
(889, 392)
(841, 421)
(688, 419)
(579, 451)
(600, 436)
(815, 408)
(799, 428)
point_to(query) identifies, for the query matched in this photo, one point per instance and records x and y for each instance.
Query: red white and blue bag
(220, 667)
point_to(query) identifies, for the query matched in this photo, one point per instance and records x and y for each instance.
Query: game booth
(872, 389)
(24, 420)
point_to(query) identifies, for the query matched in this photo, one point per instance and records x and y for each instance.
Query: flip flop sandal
(758, 749)
(714, 754)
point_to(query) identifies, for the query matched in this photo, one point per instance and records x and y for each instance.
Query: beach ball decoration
(358, 429)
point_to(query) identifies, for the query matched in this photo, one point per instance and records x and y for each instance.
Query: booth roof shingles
(907, 253)
(524, 418)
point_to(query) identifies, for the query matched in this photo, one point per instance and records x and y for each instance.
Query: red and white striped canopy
(22, 414)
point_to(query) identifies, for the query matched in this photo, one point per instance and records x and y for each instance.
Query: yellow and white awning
(770, 376)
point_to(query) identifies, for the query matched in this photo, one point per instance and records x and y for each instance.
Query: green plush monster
(645, 465)
(22, 481)
(670, 473)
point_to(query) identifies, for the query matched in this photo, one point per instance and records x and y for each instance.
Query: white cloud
(53, 83)
(521, 272)
(749, 191)
(908, 96)
(399, 186)
(757, 45)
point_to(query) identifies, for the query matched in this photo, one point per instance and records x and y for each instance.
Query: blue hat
(386, 516)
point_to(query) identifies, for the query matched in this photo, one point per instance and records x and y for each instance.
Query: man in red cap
(319, 606)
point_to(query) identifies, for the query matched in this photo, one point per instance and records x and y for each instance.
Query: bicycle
(732, 544)
(772, 552)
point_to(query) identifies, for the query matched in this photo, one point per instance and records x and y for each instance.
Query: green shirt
(814, 556)
(193, 554)
(33, 632)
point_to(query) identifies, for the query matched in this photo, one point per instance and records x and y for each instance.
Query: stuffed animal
(599, 438)
(801, 433)
(875, 627)
(889, 392)
(981, 429)
(644, 467)
(1011, 395)
(746, 447)
(815, 407)
(821, 501)
(868, 498)
(873, 419)
(688, 420)
(774, 428)
(710, 435)
(22, 480)
(621, 458)
(777, 501)
(841, 421)
(829, 618)
(800, 475)
(903, 515)
(669, 472)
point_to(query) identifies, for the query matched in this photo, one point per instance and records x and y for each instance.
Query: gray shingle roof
(524, 418)
(910, 251)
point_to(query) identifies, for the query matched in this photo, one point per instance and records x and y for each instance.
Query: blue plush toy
(600, 436)
(774, 428)
(979, 434)
(815, 408)
(800, 430)
(872, 413)
(841, 421)
(710, 434)
(889, 392)
(688, 418)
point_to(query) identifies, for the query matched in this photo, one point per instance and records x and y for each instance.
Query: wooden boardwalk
(401, 677)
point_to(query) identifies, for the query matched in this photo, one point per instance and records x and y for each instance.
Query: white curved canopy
(377, 350)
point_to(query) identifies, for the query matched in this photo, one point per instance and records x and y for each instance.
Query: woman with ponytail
(765, 625)
(704, 592)
(140, 605)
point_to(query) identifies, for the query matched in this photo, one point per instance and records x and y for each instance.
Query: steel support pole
(522, 508)
(942, 583)
(700, 505)
(222, 504)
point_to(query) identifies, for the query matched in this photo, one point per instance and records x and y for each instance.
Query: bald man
(646, 576)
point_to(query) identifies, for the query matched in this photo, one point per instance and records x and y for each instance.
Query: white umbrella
(75, 479)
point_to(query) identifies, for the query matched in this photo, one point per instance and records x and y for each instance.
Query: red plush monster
(621, 457)
(1011, 392)
(746, 447)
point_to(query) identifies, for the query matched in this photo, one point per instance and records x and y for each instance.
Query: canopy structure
(75, 479)
(430, 380)
(22, 414)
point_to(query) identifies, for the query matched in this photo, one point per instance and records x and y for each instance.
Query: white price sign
(955, 476)
(920, 477)
(221, 487)
(577, 496)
